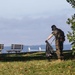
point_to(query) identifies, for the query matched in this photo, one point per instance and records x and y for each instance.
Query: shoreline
(31, 52)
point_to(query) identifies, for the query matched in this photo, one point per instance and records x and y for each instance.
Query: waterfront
(29, 48)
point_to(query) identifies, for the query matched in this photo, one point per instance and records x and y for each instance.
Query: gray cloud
(32, 29)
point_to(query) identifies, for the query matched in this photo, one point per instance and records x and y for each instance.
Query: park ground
(36, 63)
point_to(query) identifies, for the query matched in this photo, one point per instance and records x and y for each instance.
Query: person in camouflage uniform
(59, 40)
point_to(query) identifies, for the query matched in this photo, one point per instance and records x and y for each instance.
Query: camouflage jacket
(59, 34)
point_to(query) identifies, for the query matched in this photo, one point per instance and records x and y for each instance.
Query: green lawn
(36, 64)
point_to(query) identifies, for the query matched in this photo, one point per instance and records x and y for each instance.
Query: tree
(72, 2)
(71, 35)
(71, 22)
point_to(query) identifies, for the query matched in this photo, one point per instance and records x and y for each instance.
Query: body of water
(35, 48)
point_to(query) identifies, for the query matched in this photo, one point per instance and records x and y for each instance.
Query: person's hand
(46, 40)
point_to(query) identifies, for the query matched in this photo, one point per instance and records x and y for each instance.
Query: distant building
(28, 49)
(40, 49)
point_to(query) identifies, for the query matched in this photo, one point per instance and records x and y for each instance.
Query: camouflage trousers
(59, 49)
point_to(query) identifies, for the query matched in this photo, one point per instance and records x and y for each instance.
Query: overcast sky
(28, 21)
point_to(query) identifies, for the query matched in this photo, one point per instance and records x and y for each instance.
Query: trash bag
(49, 50)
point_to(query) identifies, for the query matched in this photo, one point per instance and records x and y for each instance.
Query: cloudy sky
(28, 21)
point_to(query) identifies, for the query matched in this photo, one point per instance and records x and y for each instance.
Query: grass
(36, 64)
